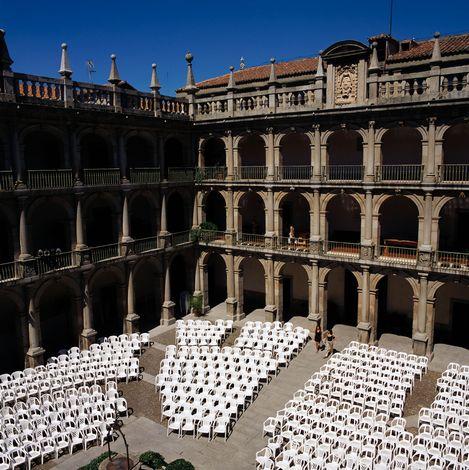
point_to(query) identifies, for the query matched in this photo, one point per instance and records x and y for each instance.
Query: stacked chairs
(348, 415)
(204, 389)
(202, 332)
(54, 398)
(284, 341)
(444, 427)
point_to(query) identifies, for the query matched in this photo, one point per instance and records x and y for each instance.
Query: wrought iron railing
(250, 239)
(292, 244)
(8, 271)
(181, 174)
(104, 252)
(50, 179)
(251, 173)
(342, 249)
(6, 181)
(210, 173)
(453, 173)
(142, 245)
(341, 173)
(144, 175)
(399, 173)
(53, 262)
(179, 238)
(397, 254)
(101, 176)
(294, 173)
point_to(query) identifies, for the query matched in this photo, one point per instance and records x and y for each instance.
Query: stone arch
(343, 217)
(140, 149)
(58, 302)
(453, 225)
(178, 211)
(295, 148)
(343, 283)
(97, 149)
(253, 292)
(175, 152)
(251, 213)
(108, 298)
(51, 221)
(252, 150)
(294, 210)
(147, 276)
(101, 219)
(401, 145)
(345, 147)
(455, 138)
(142, 215)
(213, 152)
(215, 209)
(294, 290)
(216, 277)
(181, 273)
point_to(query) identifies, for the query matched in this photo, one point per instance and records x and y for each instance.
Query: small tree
(152, 459)
(197, 304)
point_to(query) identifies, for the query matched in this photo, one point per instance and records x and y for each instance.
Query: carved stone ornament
(346, 84)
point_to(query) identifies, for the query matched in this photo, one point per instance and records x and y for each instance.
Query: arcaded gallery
(166, 262)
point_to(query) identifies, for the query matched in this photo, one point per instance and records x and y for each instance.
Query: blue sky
(218, 33)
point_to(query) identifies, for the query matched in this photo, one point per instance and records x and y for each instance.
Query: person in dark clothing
(318, 337)
(329, 337)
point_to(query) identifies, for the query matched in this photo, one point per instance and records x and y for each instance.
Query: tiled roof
(449, 45)
(262, 72)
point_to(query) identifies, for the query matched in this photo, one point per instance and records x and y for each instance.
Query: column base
(419, 344)
(231, 307)
(270, 313)
(87, 338)
(315, 318)
(167, 313)
(35, 356)
(132, 323)
(364, 332)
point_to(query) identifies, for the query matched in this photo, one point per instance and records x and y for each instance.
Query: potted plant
(197, 305)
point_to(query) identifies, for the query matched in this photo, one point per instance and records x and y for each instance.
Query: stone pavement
(238, 452)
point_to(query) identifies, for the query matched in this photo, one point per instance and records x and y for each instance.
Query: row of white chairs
(340, 419)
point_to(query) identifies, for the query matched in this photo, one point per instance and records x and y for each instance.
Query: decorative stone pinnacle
(273, 74)
(5, 59)
(154, 83)
(231, 82)
(436, 53)
(114, 77)
(190, 81)
(65, 69)
(374, 57)
(320, 69)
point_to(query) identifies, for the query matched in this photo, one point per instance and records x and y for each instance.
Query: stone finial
(154, 83)
(231, 81)
(65, 69)
(273, 74)
(113, 78)
(374, 57)
(320, 68)
(190, 81)
(436, 53)
(5, 59)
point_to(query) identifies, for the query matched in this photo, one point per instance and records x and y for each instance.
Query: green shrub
(180, 464)
(197, 303)
(152, 459)
(200, 233)
(94, 464)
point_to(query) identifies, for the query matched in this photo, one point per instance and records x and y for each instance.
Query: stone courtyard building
(362, 152)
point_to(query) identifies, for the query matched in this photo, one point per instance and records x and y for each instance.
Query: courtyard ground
(144, 431)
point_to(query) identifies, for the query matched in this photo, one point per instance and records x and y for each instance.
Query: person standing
(318, 337)
(329, 337)
(291, 235)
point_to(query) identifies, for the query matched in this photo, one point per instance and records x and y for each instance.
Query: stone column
(162, 158)
(316, 223)
(122, 155)
(367, 240)
(23, 231)
(35, 353)
(74, 152)
(204, 286)
(231, 302)
(420, 336)
(236, 163)
(239, 293)
(270, 157)
(132, 318)
(373, 303)
(88, 335)
(229, 154)
(16, 155)
(278, 293)
(323, 303)
(370, 157)
(270, 308)
(270, 227)
(314, 314)
(430, 167)
(230, 228)
(195, 213)
(364, 325)
(167, 313)
(316, 157)
(79, 232)
(125, 220)
(425, 248)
